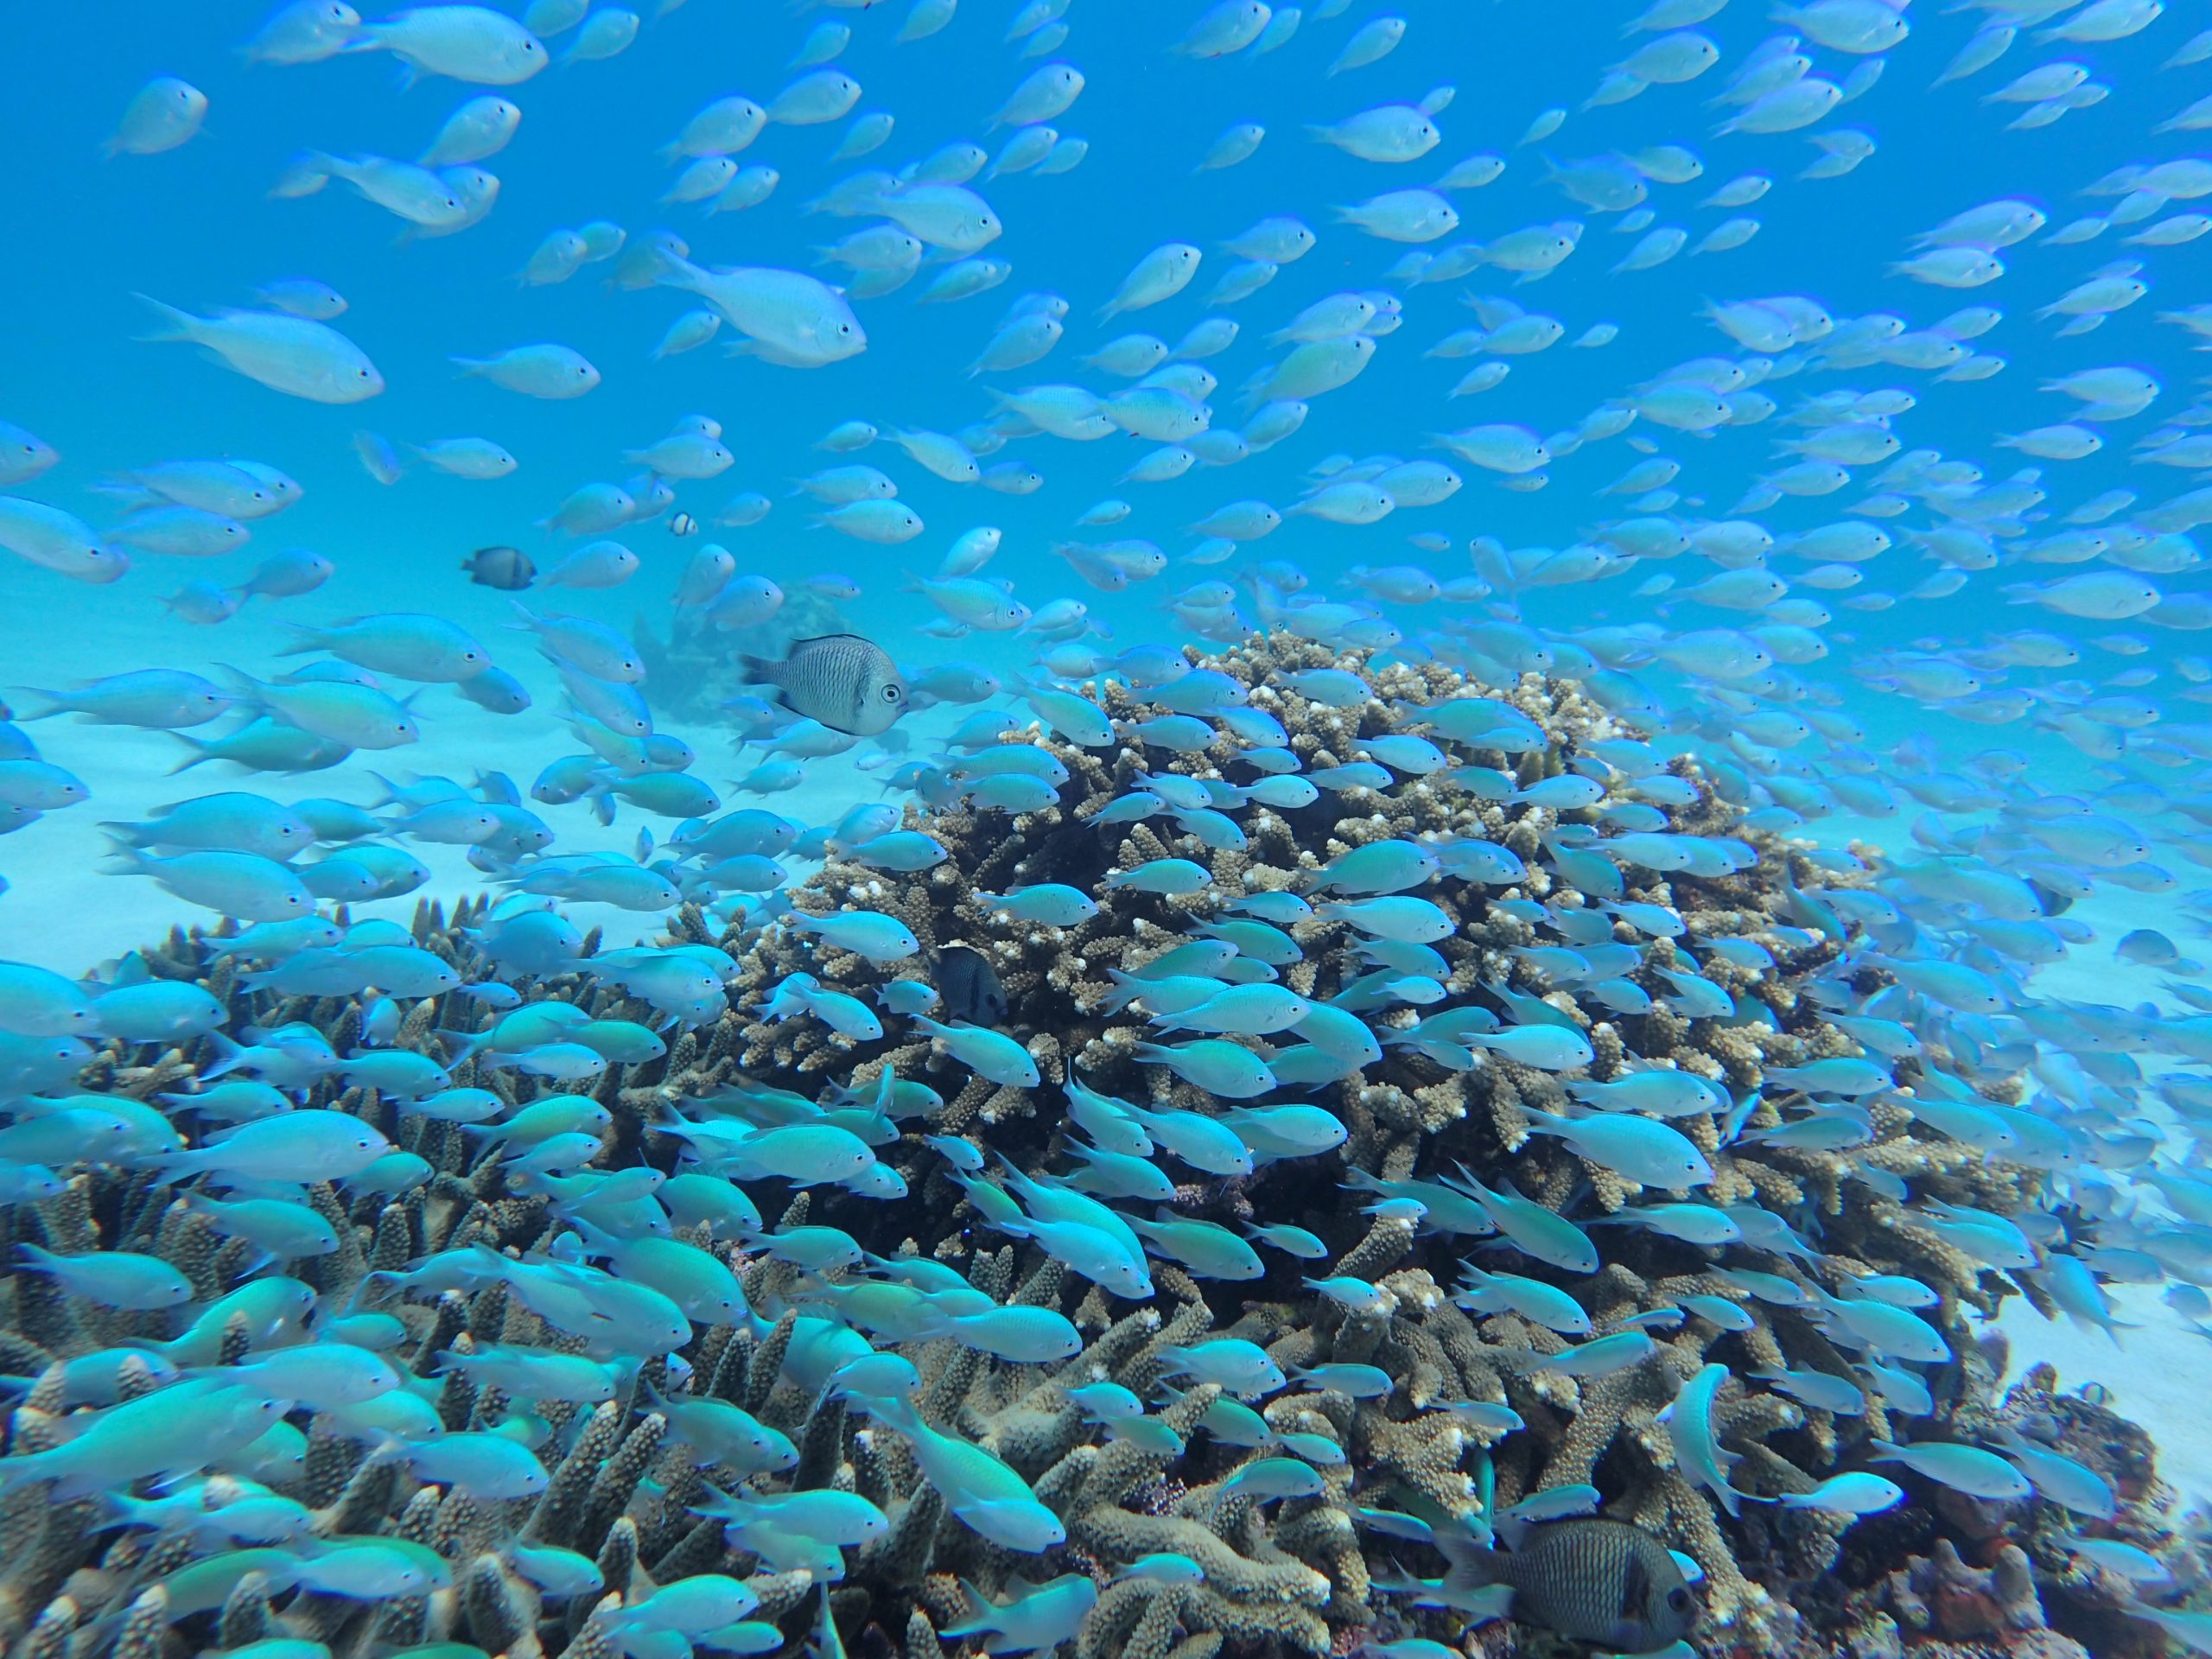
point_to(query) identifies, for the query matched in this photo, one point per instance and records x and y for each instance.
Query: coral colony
(1346, 1158)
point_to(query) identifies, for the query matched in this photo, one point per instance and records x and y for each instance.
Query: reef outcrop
(1488, 1406)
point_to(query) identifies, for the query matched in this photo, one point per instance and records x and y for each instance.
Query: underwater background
(1936, 724)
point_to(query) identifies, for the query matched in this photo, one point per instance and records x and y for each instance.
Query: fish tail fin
(170, 1171)
(673, 271)
(243, 681)
(15, 1471)
(307, 639)
(1128, 988)
(896, 1410)
(175, 324)
(229, 1057)
(1473, 1566)
(934, 1323)
(305, 174)
(129, 860)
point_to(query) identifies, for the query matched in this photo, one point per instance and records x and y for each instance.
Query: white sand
(2155, 1373)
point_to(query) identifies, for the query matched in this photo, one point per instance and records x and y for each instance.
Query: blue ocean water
(197, 227)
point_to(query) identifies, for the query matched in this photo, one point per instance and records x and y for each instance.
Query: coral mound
(1335, 1562)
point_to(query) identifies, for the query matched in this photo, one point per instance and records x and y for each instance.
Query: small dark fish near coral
(847, 682)
(970, 986)
(507, 569)
(1601, 1581)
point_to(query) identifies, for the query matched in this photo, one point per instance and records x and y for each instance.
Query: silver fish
(847, 682)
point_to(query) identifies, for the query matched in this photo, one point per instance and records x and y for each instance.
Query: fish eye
(1678, 1600)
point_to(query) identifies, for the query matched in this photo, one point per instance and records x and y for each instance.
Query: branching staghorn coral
(1304, 1573)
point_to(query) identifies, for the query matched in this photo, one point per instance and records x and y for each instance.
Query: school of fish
(1382, 1105)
